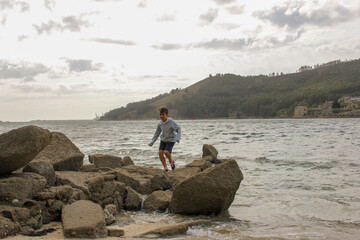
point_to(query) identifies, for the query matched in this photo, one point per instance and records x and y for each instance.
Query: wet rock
(8, 227)
(144, 180)
(52, 210)
(110, 213)
(87, 167)
(115, 232)
(133, 201)
(83, 219)
(210, 150)
(62, 193)
(203, 163)
(126, 161)
(21, 186)
(180, 174)
(158, 201)
(105, 160)
(171, 230)
(61, 153)
(207, 192)
(42, 168)
(19, 146)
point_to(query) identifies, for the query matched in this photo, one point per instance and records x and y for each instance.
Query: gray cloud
(21, 70)
(49, 4)
(25, 88)
(290, 15)
(166, 18)
(71, 23)
(114, 41)
(22, 37)
(4, 19)
(209, 16)
(29, 79)
(82, 65)
(223, 2)
(167, 46)
(275, 42)
(238, 9)
(229, 44)
(11, 4)
(227, 26)
(142, 4)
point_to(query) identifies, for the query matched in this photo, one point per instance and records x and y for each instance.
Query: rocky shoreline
(43, 181)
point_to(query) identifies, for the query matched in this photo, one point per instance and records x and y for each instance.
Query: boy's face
(164, 116)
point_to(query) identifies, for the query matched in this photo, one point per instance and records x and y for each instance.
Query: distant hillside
(234, 96)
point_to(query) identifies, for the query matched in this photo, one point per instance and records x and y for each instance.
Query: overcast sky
(70, 59)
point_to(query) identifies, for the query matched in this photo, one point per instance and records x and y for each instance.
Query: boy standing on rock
(171, 133)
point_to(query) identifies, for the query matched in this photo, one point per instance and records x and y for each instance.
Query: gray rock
(83, 219)
(8, 227)
(77, 180)
(203, 163)
(105, 160)
(210, 150)
(21, 186)
(87, 167)
(158, 201)
(115, 231)
(126, 161)
(133, 200)
(207, 192)
(42, 168)
(110, 213)
(179, 174)
(62, 154)
(144, 180)
(19, 146)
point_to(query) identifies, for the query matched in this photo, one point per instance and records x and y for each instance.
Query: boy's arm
(156, 135)
(178, 130)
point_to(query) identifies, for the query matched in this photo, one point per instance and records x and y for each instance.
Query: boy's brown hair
(163, 109)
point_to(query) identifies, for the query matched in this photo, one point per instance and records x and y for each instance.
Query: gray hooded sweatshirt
(171, 132)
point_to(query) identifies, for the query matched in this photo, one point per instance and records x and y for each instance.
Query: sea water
(301, 176)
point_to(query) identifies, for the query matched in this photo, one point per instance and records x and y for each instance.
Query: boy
(171, 133)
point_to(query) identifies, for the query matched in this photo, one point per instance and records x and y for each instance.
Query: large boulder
(203, 163)
(133, 200)
(144, 180)
(180, 174)
(8, 227)
(42, 168)
(62, 154)
(83, 219)
(207, 192)
(158, 201)
(20, 186)
(19, 146)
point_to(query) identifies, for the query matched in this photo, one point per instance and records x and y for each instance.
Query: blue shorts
(168, 146)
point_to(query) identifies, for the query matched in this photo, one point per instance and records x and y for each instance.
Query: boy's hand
(150, 144)
(178, 141)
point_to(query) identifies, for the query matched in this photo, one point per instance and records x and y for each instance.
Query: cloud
(238, 9)
(71, 23)
(227, 26)
(22, 37)
(49, 4)
(271, 42)
(167, 46)
(142, 4)
(21, 70)
(292, 14)
(229, 44)
(113, 41)
(4, 19)
(166, 18)
(34, 88)
(223, 2)
(209, 16)
(16, 5)
(82, 65)
(29, 79)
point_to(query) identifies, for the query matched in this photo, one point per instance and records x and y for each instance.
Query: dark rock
(74, 179)
(210, 150)
(19, 146)
(21, 186)
(180, 174)
(110, 212)
(52, 210)
(126, 161)
(8, 227)
(105, 160)
(207, 192)
(62, 193)
(133, 200)
(158, 201)
(42, 168)
(62, 154)
(83, 219)
(87, 167)
(144, 180)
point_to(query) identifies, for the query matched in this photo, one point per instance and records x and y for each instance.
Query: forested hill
(234, 96)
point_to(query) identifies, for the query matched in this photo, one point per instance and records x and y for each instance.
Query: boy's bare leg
(168, 155)
(162, 158)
